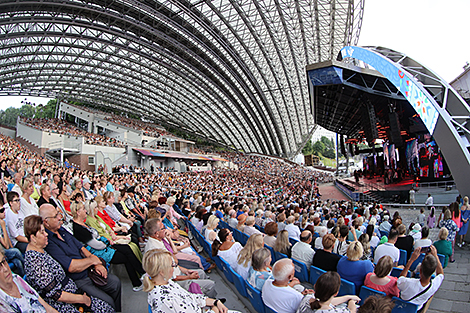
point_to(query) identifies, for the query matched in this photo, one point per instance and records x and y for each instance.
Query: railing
(450, 184)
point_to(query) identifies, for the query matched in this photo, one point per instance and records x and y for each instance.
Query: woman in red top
(63, 197)
(379, 279)
(105, 217)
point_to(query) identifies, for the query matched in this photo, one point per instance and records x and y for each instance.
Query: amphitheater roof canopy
(231, 71)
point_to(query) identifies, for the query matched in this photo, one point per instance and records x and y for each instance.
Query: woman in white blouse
(166, 295)
(28, 205)
(226, 248)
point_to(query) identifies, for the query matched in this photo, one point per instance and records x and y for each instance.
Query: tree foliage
(10, 115)
(324, 147)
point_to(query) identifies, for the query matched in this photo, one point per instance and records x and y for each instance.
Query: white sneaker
(137, 289)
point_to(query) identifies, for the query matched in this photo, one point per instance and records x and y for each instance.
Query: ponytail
(327, 286)
(215, 247)
(148, 283)
(315, 304)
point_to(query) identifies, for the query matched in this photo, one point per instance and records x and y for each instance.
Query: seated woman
(271, 231)
(16, 295)
(352, 268)
(166, 295)
(210, 233)
(253, 243)
(100, 246)
(47, 276)
(380, 279)
(260, 270)
(443, 246)
(225, 248)
(364, 240)
(324, 299)
(404, 242)
(282, 244)
(93, 220)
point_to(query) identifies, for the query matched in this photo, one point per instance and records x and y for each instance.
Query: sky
(433, 32)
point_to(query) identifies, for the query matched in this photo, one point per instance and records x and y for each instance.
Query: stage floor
(377, 183)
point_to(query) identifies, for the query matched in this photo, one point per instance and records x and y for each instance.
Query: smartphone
(425, 249)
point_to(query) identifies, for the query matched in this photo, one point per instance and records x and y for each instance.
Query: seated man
(68, 252)
(183, 276)
(385, 225)
(324, 259)
(418, 291)
(232, 221)
(277, 294)
(293, 230)
(388, 248)
(249, 226)
(302, 251)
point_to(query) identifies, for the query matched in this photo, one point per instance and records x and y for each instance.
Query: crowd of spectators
(81, 215)
(59, 126)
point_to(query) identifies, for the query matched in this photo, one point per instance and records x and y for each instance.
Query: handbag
(95, 277)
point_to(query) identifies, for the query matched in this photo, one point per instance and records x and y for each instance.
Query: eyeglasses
(15, 200)
(173, 264)
(4, 263)
(56, 216)
(2, 209)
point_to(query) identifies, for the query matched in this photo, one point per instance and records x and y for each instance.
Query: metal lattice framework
(232, 71)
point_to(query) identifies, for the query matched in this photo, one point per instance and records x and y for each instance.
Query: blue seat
(366, 292)
(237, 235)
(273, 256)
(383, 233)
(397, 271)
(346, 288)
(150, 309)
(402, 306)
(316, 235)
(226, 269)
(315, 272)
(279, 256)
(442, 258)
(255, 298)
(244, 239)
(239, 283)
(293, 241)
(217, 262)
(208, 247)
(267, 309)
(258, 227)
(223, 224)
(417, 261)
(403, 257)
(301, 271)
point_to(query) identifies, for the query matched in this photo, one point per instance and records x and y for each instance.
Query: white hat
(417, 227)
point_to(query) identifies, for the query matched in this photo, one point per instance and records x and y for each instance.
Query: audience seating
(396, 271)
(237, 235)
(403, 257)
(301, 271)
(383, 233)
(255, 298)
(315, 272)
(273, 256)
(293, 241)
(239, 283)
(347, 288)
(244, 239)
(366, 292)
(227, 270)
(269, 310)
(402, 306)
(279, 255)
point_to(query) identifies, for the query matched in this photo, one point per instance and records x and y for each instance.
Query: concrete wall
(10, 132)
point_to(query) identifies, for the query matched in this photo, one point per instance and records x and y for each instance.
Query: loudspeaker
(351, 150)
(369, 123)
(341, 143)
(395, 133)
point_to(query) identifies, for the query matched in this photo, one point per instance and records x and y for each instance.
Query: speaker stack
(395, 133)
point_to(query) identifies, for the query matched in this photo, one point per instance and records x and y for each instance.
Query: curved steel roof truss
(232, 71)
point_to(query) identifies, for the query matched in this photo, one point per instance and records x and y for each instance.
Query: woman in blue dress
(464, 215)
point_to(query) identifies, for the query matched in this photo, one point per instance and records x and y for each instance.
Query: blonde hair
(212, 222)
(355, 251)
(255, 242)
(154, 263)
(282, 243)
(443, 233)
(74, 207)
(25, 183)
(90, 207)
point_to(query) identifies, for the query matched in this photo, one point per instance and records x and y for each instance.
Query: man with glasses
(14, 219)
(183, 276)
(76, 260)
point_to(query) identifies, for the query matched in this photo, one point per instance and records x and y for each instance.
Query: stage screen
(424, 159)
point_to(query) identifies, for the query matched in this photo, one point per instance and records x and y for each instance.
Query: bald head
(306, 236)
(283, 270)
(47, 210)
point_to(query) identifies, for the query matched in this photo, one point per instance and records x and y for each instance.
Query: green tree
(318, 148)
(46, 111)
(307, 150)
